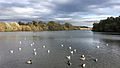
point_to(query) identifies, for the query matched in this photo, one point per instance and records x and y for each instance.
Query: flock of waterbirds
(68, 57)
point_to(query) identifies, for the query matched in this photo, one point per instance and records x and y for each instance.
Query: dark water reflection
(84, 41)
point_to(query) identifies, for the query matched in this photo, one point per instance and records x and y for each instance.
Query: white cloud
(23, 10)
(62, 1)
(62, 19)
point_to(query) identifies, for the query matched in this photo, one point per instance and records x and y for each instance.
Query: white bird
(68, 57)
(70, 48)
(83, 65)
(106, 44)
(11, 51)
(71, 52)
(48, 51)
(34, 49)
(75, 50)
(95, 60)
(61, 45)
(19, 49)
(31, 44)
(44, 46)
(35, 53)
(98, 46)
(20, 42)
(82, 57)
(29, 62)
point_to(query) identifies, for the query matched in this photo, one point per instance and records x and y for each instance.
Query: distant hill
(39, 26)
(111, 24)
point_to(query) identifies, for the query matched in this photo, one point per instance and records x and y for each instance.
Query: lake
(85, 42)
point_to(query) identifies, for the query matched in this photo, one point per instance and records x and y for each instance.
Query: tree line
(36, 26)
(111, 24)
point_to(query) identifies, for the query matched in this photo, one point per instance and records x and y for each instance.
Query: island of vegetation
(38, 26)
(111, 24)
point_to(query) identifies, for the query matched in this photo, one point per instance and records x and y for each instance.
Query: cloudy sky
(78, 12)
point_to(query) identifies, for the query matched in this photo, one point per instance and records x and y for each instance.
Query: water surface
(84, 41)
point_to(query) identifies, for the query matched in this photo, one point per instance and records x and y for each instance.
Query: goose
(11, 51)
(98, 46)
(29, 62)
(19, 49)
(34, 49)
(83, 65)
(82, 57)
(69, 63)
(68, 57)
(48, 51)
(70, 48)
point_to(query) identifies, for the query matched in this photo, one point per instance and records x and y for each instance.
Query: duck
(82, 57)
(68, 57)
(29, 62)
(69, 63)
(83, 65)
